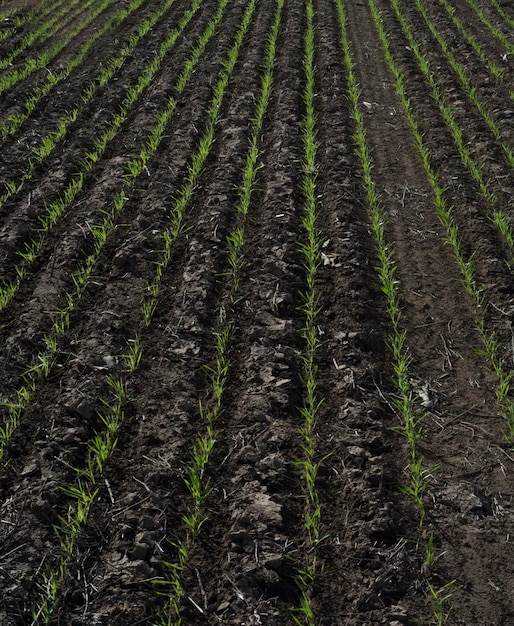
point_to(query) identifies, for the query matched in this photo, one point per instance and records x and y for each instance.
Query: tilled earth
(245, 562)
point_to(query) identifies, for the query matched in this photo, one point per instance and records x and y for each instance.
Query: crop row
(33, 64)
(489, 341)
(488, 344)
(84, 491)
(103, 444)
(15, 121)
(27, 18)
(195, 219)
(100, 233)
(56, 209)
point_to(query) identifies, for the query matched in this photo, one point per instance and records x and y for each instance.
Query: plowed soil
(245, 563)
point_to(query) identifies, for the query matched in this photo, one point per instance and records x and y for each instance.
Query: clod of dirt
(466, 502)
(260, 513)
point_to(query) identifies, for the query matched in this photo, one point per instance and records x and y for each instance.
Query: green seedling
(439, 598)
(431, 557)
(133, 357)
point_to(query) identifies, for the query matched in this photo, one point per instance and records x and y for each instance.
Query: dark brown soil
(245, 563)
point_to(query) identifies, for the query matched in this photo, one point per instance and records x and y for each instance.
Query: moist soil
(245, 564)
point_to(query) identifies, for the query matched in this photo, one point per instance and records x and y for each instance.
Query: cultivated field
(256, 312)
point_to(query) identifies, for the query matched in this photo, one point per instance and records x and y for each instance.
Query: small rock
(86, 410)
(109, 361)
(357, 451)
(122, 257)
(31, 469)
(272, 461)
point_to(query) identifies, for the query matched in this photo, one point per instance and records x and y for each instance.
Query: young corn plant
(33, 248)
(235, 239)
(134, 354)
(417, 486)
(497, 71)
(102, 231)
(499, 9)
(47, 595)
(20, 18)
(40, 368)
(235, 243)
(46, 29)
(14, 410)
(61, 317)
(195, 479)
(49, 141)
(502, 222)
(439, 599)
(496, 32)
(471, 93)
